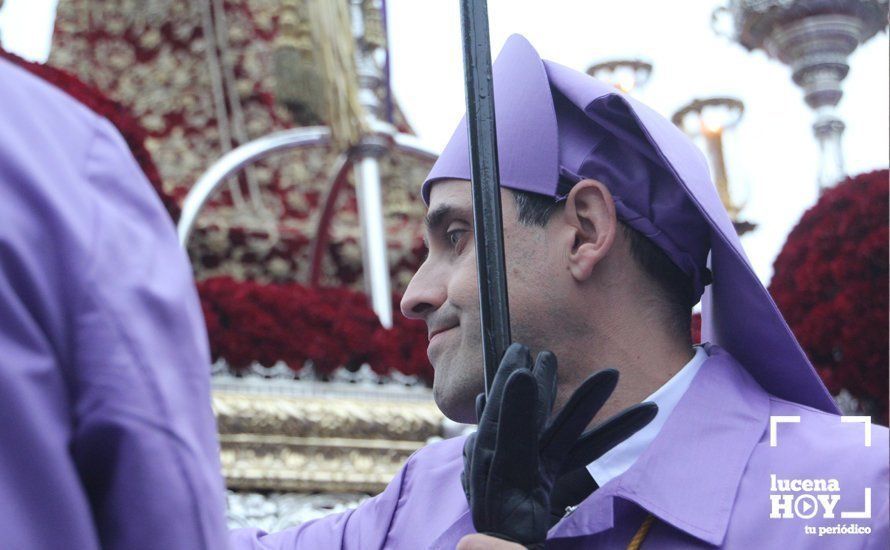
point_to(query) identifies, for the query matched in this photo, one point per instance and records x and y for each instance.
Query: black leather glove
(514, 458)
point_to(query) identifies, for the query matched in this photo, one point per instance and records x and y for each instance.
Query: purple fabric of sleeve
(107, 436)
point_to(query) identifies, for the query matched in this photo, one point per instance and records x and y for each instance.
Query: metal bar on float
(373, 237)
(494, 310)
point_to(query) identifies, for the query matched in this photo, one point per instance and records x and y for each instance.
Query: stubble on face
(459, 372)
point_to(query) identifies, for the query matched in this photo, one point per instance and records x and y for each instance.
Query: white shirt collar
(622, 456)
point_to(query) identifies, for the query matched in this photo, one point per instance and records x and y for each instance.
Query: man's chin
(456, 405)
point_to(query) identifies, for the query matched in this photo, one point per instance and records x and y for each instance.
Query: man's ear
(590, 215)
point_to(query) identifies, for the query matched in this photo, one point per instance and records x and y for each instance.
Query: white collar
(622, 456)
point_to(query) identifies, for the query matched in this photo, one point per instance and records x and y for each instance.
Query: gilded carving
(312, 443)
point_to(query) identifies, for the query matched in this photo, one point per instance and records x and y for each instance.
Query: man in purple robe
(107, 438)
(613, 231)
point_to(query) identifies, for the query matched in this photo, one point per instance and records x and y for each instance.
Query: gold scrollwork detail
(311, 464)
(310, 416)
(329, 444)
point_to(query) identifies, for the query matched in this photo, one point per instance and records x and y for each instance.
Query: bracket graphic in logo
(774, 422)
(805, 498)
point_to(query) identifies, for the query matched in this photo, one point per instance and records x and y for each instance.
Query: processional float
(362, 136)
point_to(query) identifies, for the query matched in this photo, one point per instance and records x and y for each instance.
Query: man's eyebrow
(441, 214)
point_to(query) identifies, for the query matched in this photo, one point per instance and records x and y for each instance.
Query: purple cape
(107, 438)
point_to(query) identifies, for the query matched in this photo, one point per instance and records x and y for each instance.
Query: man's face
(444, 293)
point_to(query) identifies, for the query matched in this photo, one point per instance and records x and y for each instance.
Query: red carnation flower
(831, 284)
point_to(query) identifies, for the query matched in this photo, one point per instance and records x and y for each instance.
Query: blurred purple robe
(107, 438)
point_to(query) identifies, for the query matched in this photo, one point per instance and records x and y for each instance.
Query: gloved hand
(514, 458)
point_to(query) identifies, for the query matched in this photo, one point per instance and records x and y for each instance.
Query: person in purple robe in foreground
(107, 437)
(613, 231)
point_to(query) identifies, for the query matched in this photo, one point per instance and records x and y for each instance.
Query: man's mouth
(433, 334)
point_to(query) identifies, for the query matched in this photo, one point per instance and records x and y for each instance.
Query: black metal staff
(494, 310)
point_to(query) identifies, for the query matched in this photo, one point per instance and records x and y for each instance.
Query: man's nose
(423, 295)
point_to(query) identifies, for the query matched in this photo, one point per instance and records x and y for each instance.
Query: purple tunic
(107, 437)
(707, 478)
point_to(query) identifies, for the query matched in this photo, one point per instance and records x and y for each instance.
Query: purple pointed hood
(557, 126)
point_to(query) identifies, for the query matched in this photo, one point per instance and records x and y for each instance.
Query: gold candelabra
(625, 74)
(709, 119)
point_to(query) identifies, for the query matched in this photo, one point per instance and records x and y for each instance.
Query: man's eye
(454, 236)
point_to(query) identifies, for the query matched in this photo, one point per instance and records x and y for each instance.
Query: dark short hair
(674, 286)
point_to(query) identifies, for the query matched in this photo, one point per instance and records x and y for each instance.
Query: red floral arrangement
(252, 322)
(831, 284)
(116, 113)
